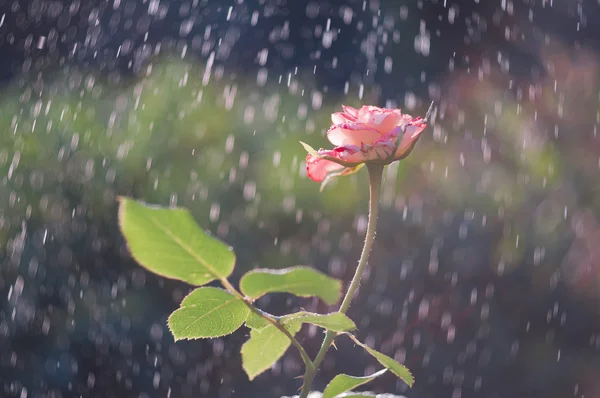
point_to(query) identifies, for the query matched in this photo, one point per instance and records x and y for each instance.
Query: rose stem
(375, 176)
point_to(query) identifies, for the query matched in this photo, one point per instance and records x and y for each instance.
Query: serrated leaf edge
(284, 271)
(367, 379)
(123, 200)
(297, 317)
(182, 307)
(371, 350)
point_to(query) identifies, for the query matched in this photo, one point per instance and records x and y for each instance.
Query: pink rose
(368, 134)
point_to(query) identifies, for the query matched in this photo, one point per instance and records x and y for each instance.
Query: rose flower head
(366, 135)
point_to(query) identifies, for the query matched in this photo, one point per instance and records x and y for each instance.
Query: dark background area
(485, 277)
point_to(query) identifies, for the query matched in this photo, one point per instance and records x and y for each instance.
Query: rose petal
(381, 119)
(410, 137)
(352, 134)
(317, 168)
(350, 111)
(374, 119)
(346, 153)
(364, 135)
(392, 136)
(390, 121)
(354, 155)
(366, 109)
(338, 118)
(341, 118)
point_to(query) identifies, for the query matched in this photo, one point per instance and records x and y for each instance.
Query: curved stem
(375, 176)
(305, 358)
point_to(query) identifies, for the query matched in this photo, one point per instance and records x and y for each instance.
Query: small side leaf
(300, 281)
(392, 365)
(208, 312)
(310, 149)
(343, 383)
(169, 243)
(265, 347)
(257, 322)
(336, 321)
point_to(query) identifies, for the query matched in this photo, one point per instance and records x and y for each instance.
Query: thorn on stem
(429, 111)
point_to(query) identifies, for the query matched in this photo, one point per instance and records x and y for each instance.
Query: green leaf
(255, 321)
(343, 383)
(393, 366)
(169, 243)
(208, 312)
(336, 321)
(265, 347)
(300, 281)
(310, 149)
